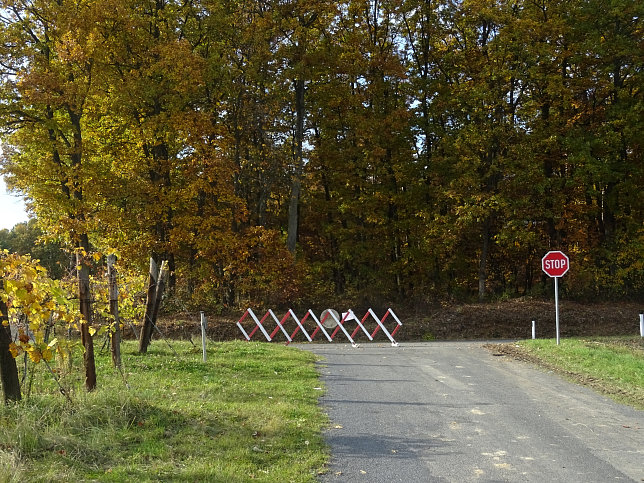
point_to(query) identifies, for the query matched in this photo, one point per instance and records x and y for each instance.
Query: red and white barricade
(330, 319)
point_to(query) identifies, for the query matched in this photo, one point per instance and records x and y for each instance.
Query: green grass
(611, 365)
(249, 413)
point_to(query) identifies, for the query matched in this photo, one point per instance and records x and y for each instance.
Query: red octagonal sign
(555, 264)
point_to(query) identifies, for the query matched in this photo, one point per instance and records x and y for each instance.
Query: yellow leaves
(36, 351)
(27, 291)
(47, 354)
(34, 326)
(34, 355)
(14, 349)
(70, 50)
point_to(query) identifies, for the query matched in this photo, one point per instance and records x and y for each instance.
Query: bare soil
(503, 320)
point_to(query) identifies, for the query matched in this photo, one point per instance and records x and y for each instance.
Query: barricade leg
(299, 325)
(360, 325)
(258, 325)
(320, 326)
(341, 327)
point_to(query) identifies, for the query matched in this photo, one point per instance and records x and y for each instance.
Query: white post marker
(534, 330)
(203, 334)
(641, 325)
(555, 264)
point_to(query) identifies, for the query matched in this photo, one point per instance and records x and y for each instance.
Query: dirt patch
(513, 320)
(502, 320)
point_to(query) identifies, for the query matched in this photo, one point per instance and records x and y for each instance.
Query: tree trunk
(114, 310)
(483, 261)
(296, 183)
(338, 275)
(172, 268)
(156, 286)
(86, 312)
(8, 366)
(163, 275)
(146, 330)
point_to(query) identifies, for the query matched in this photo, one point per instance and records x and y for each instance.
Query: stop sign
(555, 264)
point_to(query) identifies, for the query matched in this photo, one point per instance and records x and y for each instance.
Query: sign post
(555, 264)
(204, 323)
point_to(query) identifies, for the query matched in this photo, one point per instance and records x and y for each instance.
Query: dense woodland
(281, 152)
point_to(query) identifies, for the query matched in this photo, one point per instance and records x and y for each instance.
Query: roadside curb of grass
(520, 353)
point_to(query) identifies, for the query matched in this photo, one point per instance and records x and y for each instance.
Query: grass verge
(249, 413)
(613, 366)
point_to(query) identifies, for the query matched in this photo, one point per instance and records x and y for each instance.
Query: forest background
(283, 152)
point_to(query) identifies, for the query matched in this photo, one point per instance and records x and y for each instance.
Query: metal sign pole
(203, 335)
(556, 264)
(557, 306)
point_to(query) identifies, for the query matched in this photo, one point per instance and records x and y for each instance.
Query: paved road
(454, 412)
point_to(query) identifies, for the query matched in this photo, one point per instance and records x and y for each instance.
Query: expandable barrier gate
(338, 325)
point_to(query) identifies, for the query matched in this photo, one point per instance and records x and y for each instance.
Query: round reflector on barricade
(330, 321)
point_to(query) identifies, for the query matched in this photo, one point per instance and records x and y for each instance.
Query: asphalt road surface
(454, 412)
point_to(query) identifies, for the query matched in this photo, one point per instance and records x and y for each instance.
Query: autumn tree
(401, 149)
(51, 58)
(362, 167)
